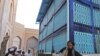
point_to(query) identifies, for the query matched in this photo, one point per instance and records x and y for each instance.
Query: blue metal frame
(92, 22)
(97, 6)
(92, 6)
(79, 27)
(46, 4)
(87, 2)
(54, 14)
(52, 47)
(71, 17)
(45, 46)
(71, 22)
(55, 33)
(43, 10)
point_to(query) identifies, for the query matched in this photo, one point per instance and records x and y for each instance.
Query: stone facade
(7, 21)
(15, 30)
(7, 17)
(28, 38)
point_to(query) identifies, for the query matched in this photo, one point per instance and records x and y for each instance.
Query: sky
(27, 11)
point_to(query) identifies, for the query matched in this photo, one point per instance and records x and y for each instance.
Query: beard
(70, 49)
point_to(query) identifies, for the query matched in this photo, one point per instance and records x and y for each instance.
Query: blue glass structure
(63, 20)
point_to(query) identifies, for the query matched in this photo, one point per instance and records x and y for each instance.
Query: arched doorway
(17, 42)
(32, 43)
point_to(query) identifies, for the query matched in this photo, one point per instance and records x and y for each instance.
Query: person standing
(23, 53)
(11, 51)
(19, 53)
(29, 53)
(70, 51)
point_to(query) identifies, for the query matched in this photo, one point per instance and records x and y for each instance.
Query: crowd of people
(67, 51)
(13, 52)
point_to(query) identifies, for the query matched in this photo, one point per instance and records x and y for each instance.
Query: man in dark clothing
(70, 51)
(11, 51)
(23, 53)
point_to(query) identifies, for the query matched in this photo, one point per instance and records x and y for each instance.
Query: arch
(17, 42)
(32, 43)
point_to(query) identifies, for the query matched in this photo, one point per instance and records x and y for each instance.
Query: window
(84, 42)
(96, 15)
(60, 19)
(82, 14)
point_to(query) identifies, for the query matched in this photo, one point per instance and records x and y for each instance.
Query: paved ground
(92, 55)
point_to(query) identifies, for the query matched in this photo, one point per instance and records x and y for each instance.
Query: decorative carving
(3, 45)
